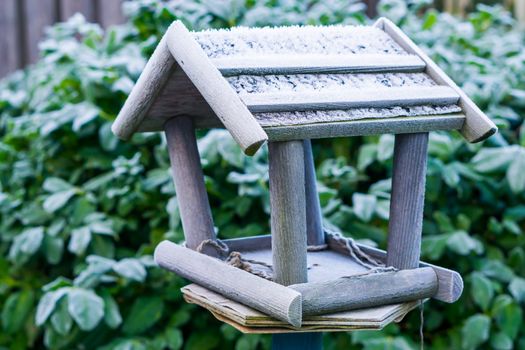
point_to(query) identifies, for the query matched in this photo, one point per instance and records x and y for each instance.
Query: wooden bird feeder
(286, 86)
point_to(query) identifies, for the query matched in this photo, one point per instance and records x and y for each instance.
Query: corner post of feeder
(288, 212)
(314, 217)
(407, 200)
(290, 181)
(187, 172)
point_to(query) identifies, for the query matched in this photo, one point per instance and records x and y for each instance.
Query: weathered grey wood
(215, 89)
(249, 243)
(407, 200)
(368, 290)
(39, 14)
(248, 320)
(450, 283)
(109, 12)
(268, 297)
(314, 217)
(10, 50)
(69, 7)
(351, 98)
(311, 64)
(150, 83)
(193, 201)
(365, 127)
(477, 126)
(288, 212)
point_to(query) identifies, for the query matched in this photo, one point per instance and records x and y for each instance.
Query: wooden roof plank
(477, 126)
(350, 98)
(150, 83)
(215, 89)
(397, 125)
(312, 64)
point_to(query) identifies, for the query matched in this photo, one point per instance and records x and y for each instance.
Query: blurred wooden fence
(22, 24)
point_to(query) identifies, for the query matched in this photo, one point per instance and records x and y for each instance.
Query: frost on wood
(297, 40)
(339, 83)
(309, 117)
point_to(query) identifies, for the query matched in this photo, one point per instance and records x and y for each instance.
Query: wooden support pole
(407, 201)
(289, 228)
(193, 202)
(369, 290)
(314, 218)
(268, 297)
(288, 212)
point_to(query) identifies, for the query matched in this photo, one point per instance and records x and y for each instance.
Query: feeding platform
(289, 85)
(248, 320)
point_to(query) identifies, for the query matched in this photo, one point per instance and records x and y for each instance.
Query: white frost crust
(338, 83)
(310, 117)
(296, 40)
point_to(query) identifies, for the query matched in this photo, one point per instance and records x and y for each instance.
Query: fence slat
(9, 50)
(109, 12)
(69, 7)
(39, 14)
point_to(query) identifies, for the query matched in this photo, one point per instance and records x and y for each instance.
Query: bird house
(286, 86)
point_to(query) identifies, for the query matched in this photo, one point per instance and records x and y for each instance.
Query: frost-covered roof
(301, 77)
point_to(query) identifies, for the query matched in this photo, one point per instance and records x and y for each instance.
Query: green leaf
(55, 184)
(32, 239)
(482, 290)
(516, 172)
(501, 341)
(385, 147)
(16, 309)
(86, 308)
(111, 311)
(517, 289)
(79, 241)
(174, 338)
(53, 248)
(433, 247)
(463, 244)
(61, 320)
(475, 331)
(364, 205)
(493, 159)
(367, 155)
(509, 317)
(47, 305)
(131, 269)
(145, 312)
(58, 200)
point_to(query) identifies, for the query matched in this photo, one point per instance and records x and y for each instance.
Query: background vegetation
(81, 212)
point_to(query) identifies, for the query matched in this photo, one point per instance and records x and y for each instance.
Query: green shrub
(81, 212)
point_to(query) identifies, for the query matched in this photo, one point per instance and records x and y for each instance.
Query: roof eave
(477, 126)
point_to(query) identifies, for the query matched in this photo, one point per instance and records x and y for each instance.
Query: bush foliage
(81, 212)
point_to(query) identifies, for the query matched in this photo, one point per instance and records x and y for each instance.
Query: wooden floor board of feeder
(248, 320)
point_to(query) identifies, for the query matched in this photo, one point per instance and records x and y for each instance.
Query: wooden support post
(407, 201)
(289, 227)
(314, 218)
(193, 202)
(288, 212)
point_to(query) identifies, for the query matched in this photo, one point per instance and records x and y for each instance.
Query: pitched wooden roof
(296, 83)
